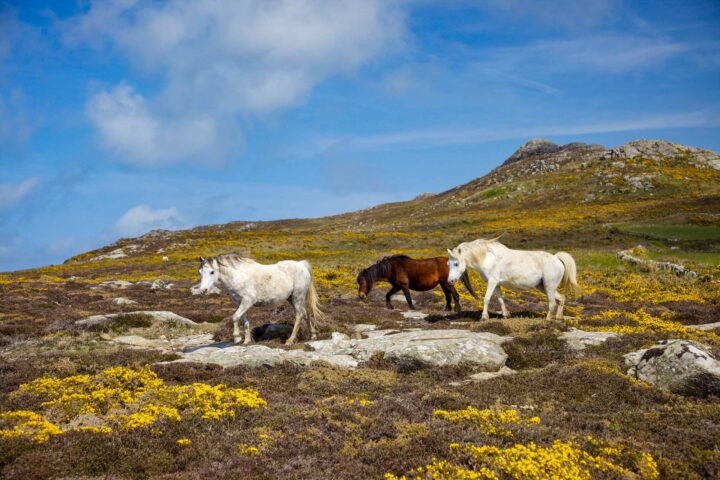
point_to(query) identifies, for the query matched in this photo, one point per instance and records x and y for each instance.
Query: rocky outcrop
(535, 146)
(681, 366)
(159, 316)
(407, 350)
(578, 340)
(661, 149)
(677, 269)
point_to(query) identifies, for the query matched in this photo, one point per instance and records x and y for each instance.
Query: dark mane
(381, 269)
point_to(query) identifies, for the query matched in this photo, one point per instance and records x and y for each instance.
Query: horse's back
(425, 273)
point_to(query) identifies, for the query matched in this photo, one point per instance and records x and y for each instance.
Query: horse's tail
(569, 279)
(312, 301)
(466, 281)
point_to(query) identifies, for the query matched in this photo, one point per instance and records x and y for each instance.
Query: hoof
(390, 307)
(237, 340)
(290, 341)
(313, 336)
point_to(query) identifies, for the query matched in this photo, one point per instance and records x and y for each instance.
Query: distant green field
(674, 232)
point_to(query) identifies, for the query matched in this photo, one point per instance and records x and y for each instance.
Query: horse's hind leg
(498, 293)
(406, 291)
(551, 293)
(561, 305)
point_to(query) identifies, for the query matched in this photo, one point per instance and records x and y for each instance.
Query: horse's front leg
(492, 284)
(241, 313)
(389, 295)
(246, 326)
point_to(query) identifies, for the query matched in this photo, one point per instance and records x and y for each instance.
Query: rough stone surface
(424, 348)
(123, 301)
(164, 344)
(408, 349)
(160, 316)
(195, 290)
(679, 270)
(578, 340)
(705, 327)
(115, 254)
(661, 149)
(534, 146)
(414, 315)
(260, 355)
(161, 284)
(681, 366)
(483, 376)
(122, 284)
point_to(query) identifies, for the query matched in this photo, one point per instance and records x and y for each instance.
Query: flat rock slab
(424, 348)
(483, 376)
(705, 327)
(160, 316)
(578, 340)
(122, 284)
(681, 366)
(123, 301)
(260, 355)
(164, 344)
(408, 349)
(414, 315)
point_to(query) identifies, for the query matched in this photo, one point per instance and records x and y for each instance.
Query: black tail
(466, 281)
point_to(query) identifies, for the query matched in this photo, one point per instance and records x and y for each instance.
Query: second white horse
(250, 283)
(501, 266)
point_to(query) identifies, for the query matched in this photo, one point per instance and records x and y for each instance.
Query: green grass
(674, 232)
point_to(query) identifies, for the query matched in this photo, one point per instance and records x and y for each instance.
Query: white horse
(250, 283)
(516, 269)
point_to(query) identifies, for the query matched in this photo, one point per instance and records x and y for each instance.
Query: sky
(121, 116)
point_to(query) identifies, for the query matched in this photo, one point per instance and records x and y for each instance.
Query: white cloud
(12, 194)
(128, 127)
(220, 59)
(609, 53)
(142, 218)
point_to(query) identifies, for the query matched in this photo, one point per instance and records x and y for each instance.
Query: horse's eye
(212, 272)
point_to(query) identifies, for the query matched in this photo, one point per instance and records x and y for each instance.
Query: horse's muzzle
(362, 296)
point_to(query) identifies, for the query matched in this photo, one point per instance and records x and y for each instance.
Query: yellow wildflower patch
(125, 398)
(491, 422)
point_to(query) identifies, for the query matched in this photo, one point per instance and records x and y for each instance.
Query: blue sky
(121, 116)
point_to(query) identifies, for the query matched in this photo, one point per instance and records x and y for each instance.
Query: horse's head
(364, 284)
(208, 274)
(456, 264)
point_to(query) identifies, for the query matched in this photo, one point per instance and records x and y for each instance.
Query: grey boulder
(681, 366)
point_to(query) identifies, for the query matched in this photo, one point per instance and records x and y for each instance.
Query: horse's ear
(202, 261)
(450, 252)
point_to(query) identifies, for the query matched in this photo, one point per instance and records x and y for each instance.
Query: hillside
(321, 420)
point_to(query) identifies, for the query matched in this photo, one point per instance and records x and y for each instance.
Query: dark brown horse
(404, 273)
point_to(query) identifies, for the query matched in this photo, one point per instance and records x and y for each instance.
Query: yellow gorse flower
(125, 398)
(491, 422)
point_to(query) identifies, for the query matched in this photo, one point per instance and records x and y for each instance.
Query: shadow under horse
(405, 273)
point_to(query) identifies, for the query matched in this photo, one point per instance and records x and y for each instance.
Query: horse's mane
(231, 260)
(382, 267)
